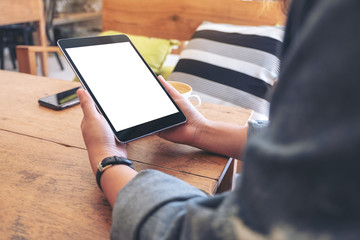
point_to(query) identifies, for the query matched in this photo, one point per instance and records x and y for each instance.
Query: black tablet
(125, 90)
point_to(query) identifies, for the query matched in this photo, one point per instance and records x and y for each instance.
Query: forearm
(114, 179)
(221, 138)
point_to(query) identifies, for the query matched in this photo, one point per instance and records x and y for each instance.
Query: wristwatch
(108, 162)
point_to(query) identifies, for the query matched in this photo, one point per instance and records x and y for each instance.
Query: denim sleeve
(157, 206)
(145, 195)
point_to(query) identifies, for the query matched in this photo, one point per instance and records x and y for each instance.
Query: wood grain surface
(48, 191)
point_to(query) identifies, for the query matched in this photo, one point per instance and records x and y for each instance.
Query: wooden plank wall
(179, 19)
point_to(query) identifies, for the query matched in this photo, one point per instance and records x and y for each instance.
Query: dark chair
(13, 35)
(21, 34)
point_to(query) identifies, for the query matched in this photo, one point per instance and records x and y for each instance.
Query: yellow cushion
(153, 50)
(165, 71)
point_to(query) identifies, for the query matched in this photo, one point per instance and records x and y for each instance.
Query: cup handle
(198, 99)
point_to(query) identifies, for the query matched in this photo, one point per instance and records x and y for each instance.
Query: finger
(87, 104)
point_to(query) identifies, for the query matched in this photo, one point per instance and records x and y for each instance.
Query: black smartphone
(61, 100)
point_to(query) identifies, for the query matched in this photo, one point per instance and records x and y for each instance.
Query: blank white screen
(122, 84)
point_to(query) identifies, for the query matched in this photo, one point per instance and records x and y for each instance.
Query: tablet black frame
(137, 131)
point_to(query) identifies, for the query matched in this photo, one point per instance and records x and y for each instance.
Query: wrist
(96, 157)
(222, 138)
(200, 133)
(111, 162)
(114, 179)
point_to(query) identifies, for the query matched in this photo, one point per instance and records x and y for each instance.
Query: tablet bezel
(137, 131)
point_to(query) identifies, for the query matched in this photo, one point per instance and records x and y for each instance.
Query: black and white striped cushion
(237, 64)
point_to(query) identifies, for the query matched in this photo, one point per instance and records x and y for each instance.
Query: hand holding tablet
(125, 90)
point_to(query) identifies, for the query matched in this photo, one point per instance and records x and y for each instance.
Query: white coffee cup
(186, 90)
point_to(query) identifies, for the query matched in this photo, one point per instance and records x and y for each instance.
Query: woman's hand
(100, 143)
(98, 136)
(218, 137)
(187, 132)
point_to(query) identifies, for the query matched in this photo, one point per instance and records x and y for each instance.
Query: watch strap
(108, 162)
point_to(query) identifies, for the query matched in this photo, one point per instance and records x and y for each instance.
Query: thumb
(173, 92)
(87, 104)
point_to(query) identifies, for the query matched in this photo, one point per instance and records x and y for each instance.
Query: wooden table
(47, 187)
